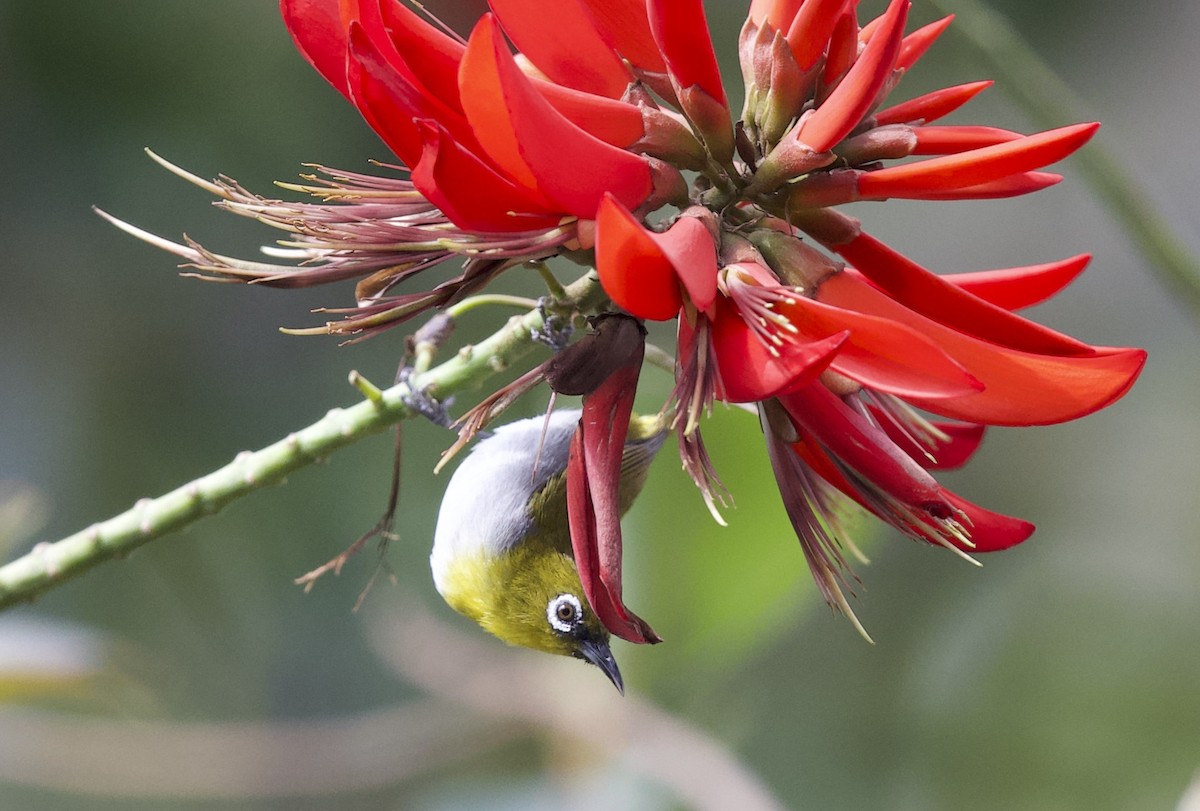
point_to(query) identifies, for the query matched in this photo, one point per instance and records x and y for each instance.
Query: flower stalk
(49, 564)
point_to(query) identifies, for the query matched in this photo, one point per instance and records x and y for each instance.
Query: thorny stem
(1045, 97)
(49, 564)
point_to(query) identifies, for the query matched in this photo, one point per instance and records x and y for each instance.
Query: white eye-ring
(563, 612)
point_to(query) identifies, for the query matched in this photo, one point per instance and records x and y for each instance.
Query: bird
(502, 548)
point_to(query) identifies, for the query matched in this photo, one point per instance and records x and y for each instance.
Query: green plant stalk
(49, 564)
(1034, 85)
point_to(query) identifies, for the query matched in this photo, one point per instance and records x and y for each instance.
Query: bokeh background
(194, 675)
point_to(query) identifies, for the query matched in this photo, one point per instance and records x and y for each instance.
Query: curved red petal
(633, 269)
(689, 245)
(533, 143)
(810, 29)
(933, 296)
(749, 372)
(1011, 186)
(1017, 288)
(1021, 388)
(931, 106)
(882, 354)
(852, 439)
(942, 140)
(469, 192)
(564, 44)
(612, 121)
(854, 95)
(989, 531)
(918, 42)
(319, 32)
(977, 166)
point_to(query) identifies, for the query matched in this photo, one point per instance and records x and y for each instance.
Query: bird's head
(531, 596)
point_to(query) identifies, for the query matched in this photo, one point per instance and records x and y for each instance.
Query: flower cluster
(604, 130)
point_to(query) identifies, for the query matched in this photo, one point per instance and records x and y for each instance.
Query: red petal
(612, 121)
(978, 165)
(564, 45)
(810, 29)
(839, 114)
(749, 372)
(681, 31)
(633, 269)
(624, 26)
(536, 145)
(843, 48)
(1021, 388)
(779, 13)
(863, 448)
(882, 354)
(470, 192)
(689, 245)
(1016, 288)
(948, 454)
(990, 531)
(931, 295)
(952, 140)
(388, 102)
(317, 29)
(1011, 186)
(931, 106)
(431, 55)
(918, 42)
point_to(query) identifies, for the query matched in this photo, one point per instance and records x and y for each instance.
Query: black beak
(598, 653)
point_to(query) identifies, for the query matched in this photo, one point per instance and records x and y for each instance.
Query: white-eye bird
(502, 550)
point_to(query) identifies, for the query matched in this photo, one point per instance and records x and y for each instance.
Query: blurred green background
(1062, 675)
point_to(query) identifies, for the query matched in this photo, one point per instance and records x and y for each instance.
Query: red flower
(583, 134)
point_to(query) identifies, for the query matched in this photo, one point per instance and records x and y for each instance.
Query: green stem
(1035, 86)
(49, 564)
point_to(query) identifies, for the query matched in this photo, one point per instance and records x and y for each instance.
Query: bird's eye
(564, 612)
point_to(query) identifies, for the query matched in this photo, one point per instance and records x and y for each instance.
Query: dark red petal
(931, 106)
(681, 31)
(948, 454)
(1021, 388)
(931, 295)
(593, 496)
(1016, 288)
(749, 372)
(882, 354)
(533, 143)
(320, 35)
(633, 269)
(563, 43)
(864, 448)
(839, 114)
(470, 192)
(978, 165)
